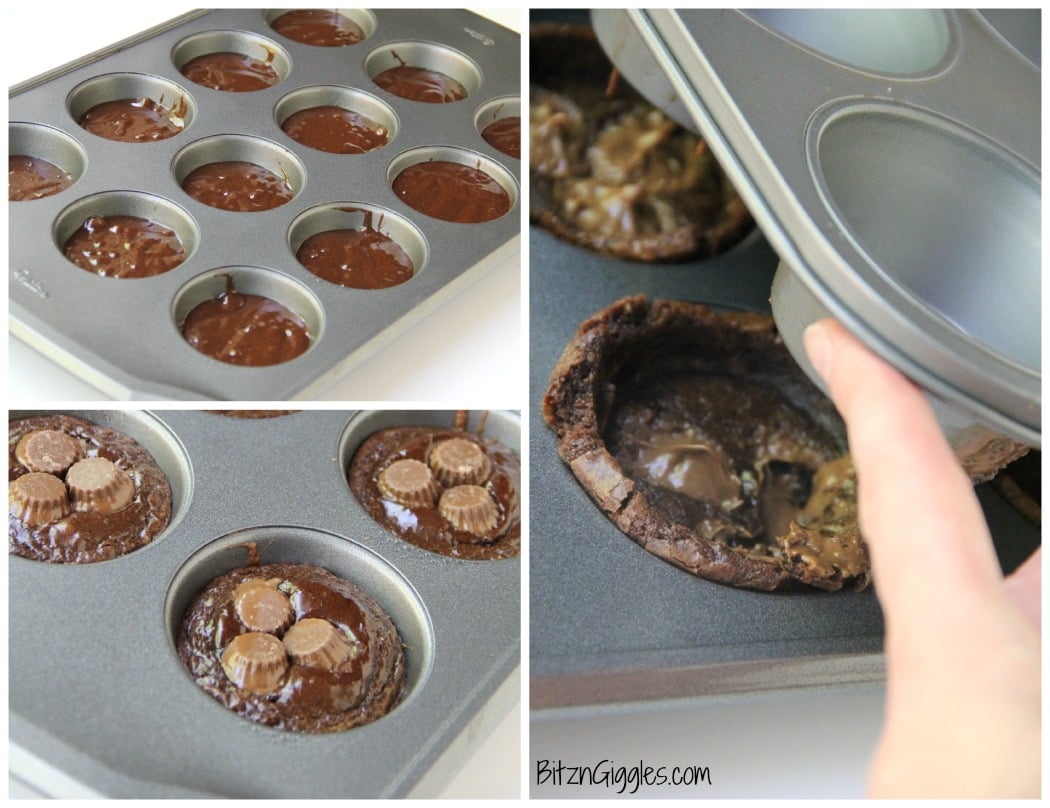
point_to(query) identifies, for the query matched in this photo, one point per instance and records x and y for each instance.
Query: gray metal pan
(892, 157)
(96, 688)
(612, 624)
(123, 335)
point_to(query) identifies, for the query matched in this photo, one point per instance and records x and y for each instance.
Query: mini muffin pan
(124, 334)
(96, 687)
(611, 623)
(892, 157)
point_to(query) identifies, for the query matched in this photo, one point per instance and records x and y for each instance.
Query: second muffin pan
(123, 334)
(97, 690)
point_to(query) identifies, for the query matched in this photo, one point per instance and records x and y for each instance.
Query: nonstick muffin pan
(611, 623)
(97, 690)
(892, 157)
(123, 335)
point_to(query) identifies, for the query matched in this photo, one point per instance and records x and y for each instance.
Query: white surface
(803, 744)
(467, 353)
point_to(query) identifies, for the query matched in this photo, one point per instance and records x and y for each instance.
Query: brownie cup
(124, 247)
(610, 172)
(452, 192)
(319, 27)
(237, 185)
(34, 178)
(245, 329)
(361, 258)
(230, 72)
(294, 647)
(420, 84)
(79, 492)
(335, 130)
(134, 120)
(697, 434)
(445, 490)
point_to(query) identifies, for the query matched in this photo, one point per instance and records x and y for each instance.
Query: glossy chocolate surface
(134, 120)
(230, 72)
(83, 537)
(124, 247)
(34, 178)
(323, 28)
(505, 134)
(361, 689)
(419, 84)
(426, 527)
(237, 186)
(360, 259)
(335, 130)
(452, 192)
(244, 329)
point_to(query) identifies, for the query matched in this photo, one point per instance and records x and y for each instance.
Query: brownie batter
(505, 134)
(359, 259)
(335, 130)
(81, 472)
(34, 178)
(462, 499)
(124, 247)
(244, 329)
(135, 120)
(699, 436)
(610, 172)
(419, 84)
(237, 186)
(231, 72)
(328, 29)
(253, 413)
(294, 647)
(452, 191)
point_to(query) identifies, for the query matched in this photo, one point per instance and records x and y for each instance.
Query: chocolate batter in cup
(321, 28)
(452, 192)
(361, 258)
(505, 134)
(230, 72)
(134, 120)
(124, 247)
(420, 84)
(237, 185)
(244, 329)
(34, 178)
(335, 130)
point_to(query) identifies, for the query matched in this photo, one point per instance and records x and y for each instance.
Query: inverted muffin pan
(611, 623)
(892, 157)
(98, 691)
(123, 335)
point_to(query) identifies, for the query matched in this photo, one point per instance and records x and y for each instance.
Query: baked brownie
(699, 437)
(79, 492)
(445, 490)
(610, 172)
(294, 647)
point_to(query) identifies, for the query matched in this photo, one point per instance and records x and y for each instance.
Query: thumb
(918, 513)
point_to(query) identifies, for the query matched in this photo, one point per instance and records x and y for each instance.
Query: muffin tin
(96, 687)
(611, 623)
(123, 335)
(892, 157)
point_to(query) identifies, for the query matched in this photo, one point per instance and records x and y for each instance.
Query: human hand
(962, 643)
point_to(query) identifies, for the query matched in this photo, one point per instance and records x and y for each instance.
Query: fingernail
(818, 347)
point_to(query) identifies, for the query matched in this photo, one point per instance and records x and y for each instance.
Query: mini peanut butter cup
(48, 450)
(469, 508)
(37, 498)
(410, 483)
(316, 643)
(261, 607)
(459, 462)
(255, 661)
(97, 484)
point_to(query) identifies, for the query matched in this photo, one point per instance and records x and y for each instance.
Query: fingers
(925, 529)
